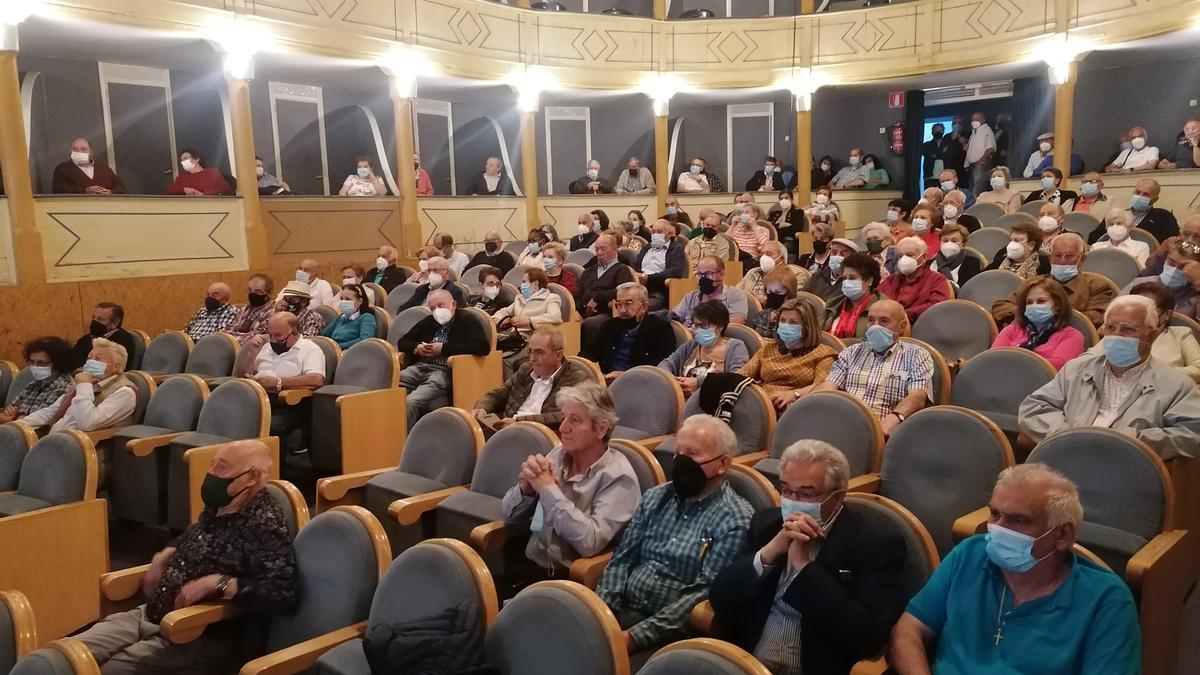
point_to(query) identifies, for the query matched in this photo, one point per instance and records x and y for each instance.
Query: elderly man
(493, 254)
(578, 497)
(1050, 223)
(251, 320)
(457, 260)
(1181, 274)
(197, 180)
(892, 377)
(790, 600)
(438, 278)
(530, 394)
(1159, 222)
(1091, 196)
(915, 285)
(386, 273)
(683, 534)
(216, 313)
(749, 236)
(709, 242)
(826, 279)
(711, 275)
(591, 183)
(1118, 224)
(853, 175)
(1089, 292)
(773, 255)
(598, 285)
(770, 178)
(635, 179)
(948, 182)
(103, 396)
(1189, 232)
(424, 185)
(1074, 616)
(427, 348)
(1038, 157)
(493, 181)
(981, 151)
(107, 318)
(284, 359)
(82, 174)
(1186, 153)
(1124, 389)
(239, 550)
(295, 298)
(308, 272)
(588, 228)
(633, 337)
(663, 259)
(954, 206)
(1139, 156)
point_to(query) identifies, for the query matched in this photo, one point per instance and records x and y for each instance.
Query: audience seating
(985, 212)
(1081, 223)
(989, 286)
(988, 241)
(8, 372)
(703, 656)
(167, 354)
(473, 376)
(515, 275)
(18, 631)
(399, 295)
(753, 422)
(591, 366)
(995, 382)
(678, 288)
(59, 469)
(140, 340)
(404, 322)
(573, 268)
(649, 403)
(213, 356)
(1033, 208)
(102, 438)
(60, 657)
(747, 335)
(328, 314)
(332, 352)
(941, 372)
(1114, 264)
(958, 329)
(16, 438)
(470, 278)
(580, 257)
(377, 295)
(836, 343)
(682, 334)
(1138, 234)
(752, 486)
(1081, 323)
(571, 323)
(984, 261)
(1178, 319)
(835, 417)
(1006, 221)
(814, 300)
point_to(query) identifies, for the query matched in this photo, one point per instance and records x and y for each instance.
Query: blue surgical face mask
(1089, 189)
(41, 372)
(533, 247)
(695, 168)
(526, 290)
(852, 288)
(1012, 551)
(1064, 273)
(592, 173)
(790, 333)
(1172, 276)
(947, 186)
(1047, 183)
(1139, 202)
(707, 337)
(1122, 352)
(549, 264)
(880, 339)
(997, 182)
(768, 169)
(346, 307)
(835, 264)
(363, 172)
(95, 368)
(1039, 315)
(672, 210)
(303, 277)
(811, 509)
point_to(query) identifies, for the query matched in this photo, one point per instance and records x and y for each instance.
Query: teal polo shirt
(1088, 626)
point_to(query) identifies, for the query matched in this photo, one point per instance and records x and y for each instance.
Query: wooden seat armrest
(123, 584)
(142, 447)
(491, 537)
(971, 524)
(877, 666)
(868, 482)
(703, 617)
(752, 458)
(100, 435)
(332, 490)
(304, 655)
(409, 510)
(294, 396)
(654, 441)
(587, 571)
(185, 625)
(1160, 575)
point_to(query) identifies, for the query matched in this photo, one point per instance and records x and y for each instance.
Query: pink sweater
(1063, 345)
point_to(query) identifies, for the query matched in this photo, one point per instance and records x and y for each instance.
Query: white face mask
(1044, 147)
(766, 262)
(436, 280)
(920, 225)
(1138, 143)
(381, 263)
(975, 124)
(1117, 233)
(422, 264)
(187, 165)
(349, 281)
(785, 204)
(826, 166)
(1015, 251)
(907, 264)
(584, 229)
(81, 158)
(950, 211)
(892, 216)
(822, 199)
(1047, 223)
(363, 172)
(950, 249)
(490, 292)
(443, 315)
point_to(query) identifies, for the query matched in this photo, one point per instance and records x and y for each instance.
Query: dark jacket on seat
(654, 342)
(466, 337)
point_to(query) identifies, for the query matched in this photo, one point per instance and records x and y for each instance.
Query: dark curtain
(914, 129)
(1032, 116)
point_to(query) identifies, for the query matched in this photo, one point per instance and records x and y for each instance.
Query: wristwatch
(899, 416)
(222, 585)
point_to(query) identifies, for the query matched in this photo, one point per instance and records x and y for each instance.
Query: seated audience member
(1075, 616)
(49, 362)
(697, 179)
(659, 573)
(1091, 196)
(423, 256)
(1186, 153)
(680, 218)
(891, 377)
(196, 180)
(1175, 345)
(534, 306)
(216, 313)
(635, 179)
(102, 397)
(823, 209)
(789, 366)
(493, 181)
(846, 315)
(878, 241)
(1043, 323)
(954, 211)
(437, 278)
(363, 182)
(107, 319)
(633, 337)
(826, 283)
(1050, 223)
(1139, 156)
(320, 292)
(779, 286)
(490, 282)
(1037, 157)
(710, 274)
(628, 242)
(591, 183)
(1001, 193)
(638, 226)
(1051, 192)
(749, 236)
(386, 273)
(1088, 292)
(822, 234)
(457, 260)
(268, 184)
(239, 550)
(770, 178)
(1180, 273)
(531, 255)
(898, 224)
(789, 221)
(821, 582)
(588, 229)
(285, 359)
(531, 393)
(251, 320)
(854, 175)
(82, 174)
(554, 256)
(953, 261)
(914, 285)
(1023, 255)
(295, 299)
(1124, 389)
(424, 184)
(493, 254)
(948, 182)
(709, 351)
(1189, 232)
(663, 259)
(822, 172)
(774, 256)
(878, 176)
(427, 348)
(709, 243)
(598, 285)
(578, 497)
(354, 322)
(1117, 226)
(352, 274)
(1159, 222)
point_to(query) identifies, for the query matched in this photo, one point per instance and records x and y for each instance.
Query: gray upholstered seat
(134, 359)
(753, 422)
(332, 353)
(399, 296)
(1033, 207)
(376, 294)
(747, 335)
(648, 472)
(405, 321)
(470, 277)
(45, 661)
(986, 212)
(573, 268)
(580, 257)
(327, 313)
(277, 492)
(940, 381)
(570, 634)
(54, 472)
(566, 300)
(383, 322)
(942, 464)
(648, 401)
(1007, 221)
(367, 366)
(707, 657)
(958, 329)
(8, 373)
(14, 444)
(752, 487)
(995, 382)
(167, 353)
(515, 275)
(834, 417)
(1081, 323)
(1113, 263)
(18, 383)
(988, 286)
(8, 631)
(919, 560)
(1081, 223)
(212, 356)
(989, 240)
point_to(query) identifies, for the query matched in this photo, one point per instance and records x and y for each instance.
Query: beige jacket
(542, 308)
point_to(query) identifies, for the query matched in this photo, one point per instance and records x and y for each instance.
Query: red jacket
(925, 291)
(207, 181)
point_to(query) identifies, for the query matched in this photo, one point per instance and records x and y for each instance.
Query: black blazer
(389, 278)
(580, 186)
(420, 295)
(478, 186)
(601, 288)
(796, 221)
(1064, 196)
(848, 598)
(969, 267)
(1159, 222)
(582, 240)
(676, 267)
(83, 347)
(654, 342)
(466, 337)
(1043, 261)
(759, 179)
(500, 261)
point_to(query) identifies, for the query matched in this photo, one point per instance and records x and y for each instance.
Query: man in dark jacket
(633, 337)
(385, 273)
(1159, 222)
(107, 319)
(591, 183)
(427, 348)
(663, 259)
(493, 181)
(770, 178)
(823, 582)
(438, 276)
(597, 286)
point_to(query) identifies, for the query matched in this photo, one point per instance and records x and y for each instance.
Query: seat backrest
(516, 247)
(921, 555)
(682, 334)
(45, 661)
(508, 294)
(399, 295)
(988, 286)
(573, 629)
(15, 441)
(752, 486)
(1113, 263)
(405, 321)
(591, 366)
(958, 329)
(997, 380)
(813, 300)
(14, 384)
(470, 277)
(332, 352)
(340, 556)
(1033, 208)
(481, 319)
(747, 335)
(431, 577)
(647, 469)
(237, 409)
(648, 399)
(703, 656)
(1138, 234)
(378, 296)
(1006, 221)
(176, 403)
(140, 341)
(59, 469)
(1081, 223)
(515, 275)
(144, 384)
(502, 455)
(291, 502)
(213, 356)
(18, 632)
(941, 372)
(942, 464)
(327, 313)
(566, 301)
(370, 364)
(383, 322)
(988, 240)
(167, 353)
(1081, 323)
(985, 212)
(443, 446)
(1191, 324)
(580, 257)
(840, 420)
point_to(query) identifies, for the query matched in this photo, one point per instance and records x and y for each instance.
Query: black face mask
(937, 135)
(280, 347)
(687, 475)
(214, 491)
(490, 247)
(708, 232)
(257, 299)
(819, 246)
(97, 329)
(212, 304)
(775, 300)
(707, 286)
(874, 246)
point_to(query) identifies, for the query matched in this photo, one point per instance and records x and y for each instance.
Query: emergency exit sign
(896, 99)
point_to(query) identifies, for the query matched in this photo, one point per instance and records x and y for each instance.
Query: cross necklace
(1001, 617)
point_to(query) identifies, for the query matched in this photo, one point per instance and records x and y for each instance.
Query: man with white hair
(103, 396)
(1123, 389)
(427, 348)
(1019, 599)
(914, 285)
(438, 278)
(590, 183)
(320, 292)
(386, 273)
(954, 210)
(683, 534)
(216, 313)
(1089, 292)
(822, 582)
(774, 254)
(82, 174)
(1118, 223)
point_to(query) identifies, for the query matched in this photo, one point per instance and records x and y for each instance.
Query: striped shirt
(668, 557)
(250, 321)
(882, 380)
(749, 240)
(441, 336)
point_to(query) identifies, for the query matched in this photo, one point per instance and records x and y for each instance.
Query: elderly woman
(878, 241)
(953, 260)
(709, 350)
(1050, 224)
(102, 397)
(846, 316)
(491, 281)
(922, 225)
(822, 234)
(536, 305)
(49, 360)
(363, 182)
(354, 322)
(1043, 323)
(1022, 256)
(1001, 194)
(823, 209)
(779, 286)
(1119, 224)
(914, 285)
(554, 256)
(351, 274)
(1176, 345)
(790, 365)
(531, 255)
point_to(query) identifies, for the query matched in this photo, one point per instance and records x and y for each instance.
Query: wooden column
(18, 187)
(406, 178)
(662, 169)
(660, 10)
(808, 6)
(242, 155)
(529, 168)
(803, 193)
(1064, 119)
(523, 3)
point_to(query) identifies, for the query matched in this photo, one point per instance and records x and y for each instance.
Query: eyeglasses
(802, 495)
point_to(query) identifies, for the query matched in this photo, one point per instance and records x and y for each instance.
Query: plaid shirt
(40, 394)
(441, 336)
(668, 557)
(250, 321)
(205, 323)
(311, 323)
(882, 380)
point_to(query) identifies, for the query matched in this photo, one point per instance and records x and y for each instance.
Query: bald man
(83, 175)
(427, 348)
(283, 359)
(216, 313)
(320, 292)
(493, 254)
(239, 550)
